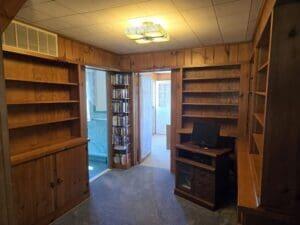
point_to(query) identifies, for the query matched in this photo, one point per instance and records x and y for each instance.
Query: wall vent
(26, 37)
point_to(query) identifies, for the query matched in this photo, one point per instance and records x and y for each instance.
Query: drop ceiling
(102, 23)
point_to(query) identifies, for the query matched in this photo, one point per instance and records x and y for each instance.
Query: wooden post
(5, 175)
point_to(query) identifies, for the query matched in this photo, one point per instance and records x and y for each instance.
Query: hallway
(160, 155)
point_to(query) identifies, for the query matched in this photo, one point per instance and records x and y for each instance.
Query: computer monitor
(206, 134)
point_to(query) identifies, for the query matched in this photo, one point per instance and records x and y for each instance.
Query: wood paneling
(6, 212)
(77, 52)
(218, 54)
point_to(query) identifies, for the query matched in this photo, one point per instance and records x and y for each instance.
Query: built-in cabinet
(47, 145)
(46, 187)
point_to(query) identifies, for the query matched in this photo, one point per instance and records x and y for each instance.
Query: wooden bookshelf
(121, 117)
(258, 105)
(46, 141)
(209, 93)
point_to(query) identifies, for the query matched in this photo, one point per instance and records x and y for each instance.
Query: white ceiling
(102, 23)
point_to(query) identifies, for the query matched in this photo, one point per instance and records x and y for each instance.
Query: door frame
(108, 104)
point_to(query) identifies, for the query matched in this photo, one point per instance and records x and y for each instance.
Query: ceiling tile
(199, 15)
(94, 5)
(251, 29)
(53, 9)
(34, 2)
(31, 15)
(154, 7)
(231, 8)
(191, 4)
(53, 24)
(219, 2)
(255, 8)
(208, 31)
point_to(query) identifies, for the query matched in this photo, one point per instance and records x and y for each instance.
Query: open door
(145, 114)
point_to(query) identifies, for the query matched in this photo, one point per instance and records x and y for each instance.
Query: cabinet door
(72, 176)
(33, 190)
(204, 184)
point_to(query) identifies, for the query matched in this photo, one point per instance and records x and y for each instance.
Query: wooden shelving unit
(259, 99)
(48, 148)
(43, 102)
(210, 93)
(121, 120)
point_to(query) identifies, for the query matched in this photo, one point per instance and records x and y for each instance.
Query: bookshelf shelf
(231, 117)
(42, 102)
(209, 91)
(235, 77)
(210, 104)
(260, 93)
(259, 140)
(260, 118)
(263, 66)
(40, 81)
(31, 124)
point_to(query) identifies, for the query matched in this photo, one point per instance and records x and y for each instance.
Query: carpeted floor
(141, 196)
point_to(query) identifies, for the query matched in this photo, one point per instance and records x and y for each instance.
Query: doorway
(97, 124)
(155, 118)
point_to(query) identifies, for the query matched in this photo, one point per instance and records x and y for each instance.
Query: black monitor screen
(205, 134)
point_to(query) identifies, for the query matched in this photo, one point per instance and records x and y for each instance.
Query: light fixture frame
(147, 32)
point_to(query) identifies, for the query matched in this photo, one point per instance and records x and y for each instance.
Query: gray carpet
(141, 196)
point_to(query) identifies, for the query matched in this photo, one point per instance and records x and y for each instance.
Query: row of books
(120, 131)
(120, 107)
(119, 120)
(120, 79)
(120, 93)
(121, 159)
(120, 140)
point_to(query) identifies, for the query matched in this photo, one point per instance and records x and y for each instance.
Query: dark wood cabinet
(201, 174)
(46, 187)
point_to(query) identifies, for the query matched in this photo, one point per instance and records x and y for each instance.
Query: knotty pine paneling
(218, 54)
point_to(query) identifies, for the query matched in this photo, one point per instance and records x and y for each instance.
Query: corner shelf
(263, 66)
(260, 93)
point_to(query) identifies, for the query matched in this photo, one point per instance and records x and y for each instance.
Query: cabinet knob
(52, 184)
(59, 180)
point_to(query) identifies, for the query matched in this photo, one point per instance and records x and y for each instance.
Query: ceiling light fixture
(147, 32)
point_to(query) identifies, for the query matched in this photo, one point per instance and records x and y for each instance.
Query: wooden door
(72, 176)
(33, 190)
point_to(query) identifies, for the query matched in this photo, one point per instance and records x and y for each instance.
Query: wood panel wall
(217, 54)
(6, 214)
(77, 52)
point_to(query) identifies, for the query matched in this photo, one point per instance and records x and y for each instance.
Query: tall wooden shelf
(268, 159)
(47, 144)
(121, 120)
(210, 93)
